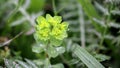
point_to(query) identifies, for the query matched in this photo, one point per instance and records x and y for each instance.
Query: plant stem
(105, 31)
(54, 8)
(102, 39)
(82, 25)
(46, 54)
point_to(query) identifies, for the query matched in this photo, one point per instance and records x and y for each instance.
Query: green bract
(51, 29)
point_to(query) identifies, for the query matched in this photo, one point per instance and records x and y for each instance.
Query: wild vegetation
(59, 34)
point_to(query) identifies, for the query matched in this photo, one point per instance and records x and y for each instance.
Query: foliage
(19, 64)
(38, 30)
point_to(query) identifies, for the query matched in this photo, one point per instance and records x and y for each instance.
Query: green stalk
(105, 31)
(54, 7)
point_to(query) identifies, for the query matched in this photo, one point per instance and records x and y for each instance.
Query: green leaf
(91, 12)
(38, 48)
(60, 50)
(58, 66)
(113, 24)
(102, 57)
(86, 58)
(56, 42)
(49, 18)
(52, 52)
(89, 9)
(58, 18)
(31, 63)
(101, 8)
(37, 38)
(47, 63)
(9, 63)
(23, 64)
(36, 5)
(40, 19)
(19, 64)
(39, 62)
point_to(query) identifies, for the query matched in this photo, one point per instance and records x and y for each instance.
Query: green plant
(49, 35)
(19, 64)
(35, 30)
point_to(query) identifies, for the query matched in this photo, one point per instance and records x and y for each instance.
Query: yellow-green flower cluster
(51, 28)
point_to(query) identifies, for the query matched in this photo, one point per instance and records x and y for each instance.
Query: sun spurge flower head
(51, 29)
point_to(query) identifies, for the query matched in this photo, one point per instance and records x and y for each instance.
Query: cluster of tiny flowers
(51, 28)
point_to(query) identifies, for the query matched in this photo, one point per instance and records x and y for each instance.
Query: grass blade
(86, 58)
(91, 13)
